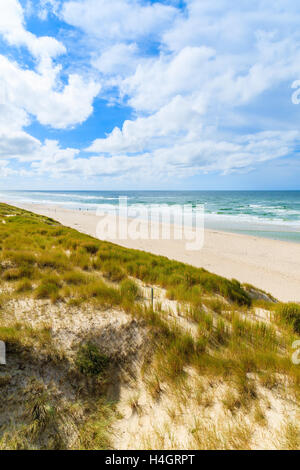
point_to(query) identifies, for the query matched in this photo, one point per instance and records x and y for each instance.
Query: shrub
(90, 361)
(290, 313)
(22, 258)
(130, 290)
(100, 293)
(24, 286)
(12, 274)
(53, 260)
(49, 288)
(246, 388)
(10, 334)
(221, 333)
(216, 305)
(269, 380)
(91, 248)
(53, 279)
(81, 260)
(196, 313)
(231, 401)
(75, 278)
(113, 272)
(176, 279)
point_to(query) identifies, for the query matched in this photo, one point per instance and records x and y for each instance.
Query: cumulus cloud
(27, 92)
(158, 80)
(119, 20)
(119, 59)
(39, 91)
(14, 142)
(5, 171)
(17, 144)
(13, 30)
(228, 156)
(50, 157)
(37, 94)
(184, 159)
(193, 77)
(179, 119)
(215, 59)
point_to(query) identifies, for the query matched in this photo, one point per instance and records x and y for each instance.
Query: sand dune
(271, 265)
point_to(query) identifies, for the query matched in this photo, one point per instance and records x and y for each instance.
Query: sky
(136, 94)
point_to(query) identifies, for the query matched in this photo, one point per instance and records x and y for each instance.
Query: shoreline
(270, 265)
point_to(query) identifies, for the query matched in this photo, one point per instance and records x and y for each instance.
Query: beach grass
(47, 262)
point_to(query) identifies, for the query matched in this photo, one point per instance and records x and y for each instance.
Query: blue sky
(134, 94)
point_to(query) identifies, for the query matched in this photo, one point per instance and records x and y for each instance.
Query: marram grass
(47, 262)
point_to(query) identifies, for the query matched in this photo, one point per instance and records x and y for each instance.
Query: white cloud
(37, 94)
(119, 20)
(228, 156)
(51, 158)
(158, 80)
(5, 171)
(40, 92)
(214, 61)
(119, 59)
(25, 92)
(229, 26)
(177, 120)
(17, 144)
(46, 7)
(193, 80)
(13, 30)
(182, 160)
(14, 142)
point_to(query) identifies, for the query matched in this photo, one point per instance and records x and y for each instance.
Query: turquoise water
(271, 214)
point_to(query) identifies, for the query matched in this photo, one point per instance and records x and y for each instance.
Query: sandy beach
(270, 265)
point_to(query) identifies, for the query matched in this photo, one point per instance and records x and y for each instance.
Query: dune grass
(39, 257)
(90, 361)
(35, 248)
(43, 260)
(289, 314)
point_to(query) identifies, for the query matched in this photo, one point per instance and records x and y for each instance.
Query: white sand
(271, 265)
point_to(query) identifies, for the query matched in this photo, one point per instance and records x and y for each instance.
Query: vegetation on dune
(90, 361)
(33, 247)
(130, 290)
(289, 314)
(50, 263)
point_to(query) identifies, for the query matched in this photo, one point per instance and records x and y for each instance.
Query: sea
(269, 214)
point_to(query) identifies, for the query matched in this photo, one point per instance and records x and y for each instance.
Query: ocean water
(271, 214)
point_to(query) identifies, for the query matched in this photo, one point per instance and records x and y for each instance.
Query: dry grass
(290, 436)
(221, 437)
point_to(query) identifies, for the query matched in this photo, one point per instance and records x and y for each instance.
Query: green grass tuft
(90, 361)
(290, 314)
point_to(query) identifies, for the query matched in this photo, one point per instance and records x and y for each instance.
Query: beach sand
(271, 265)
